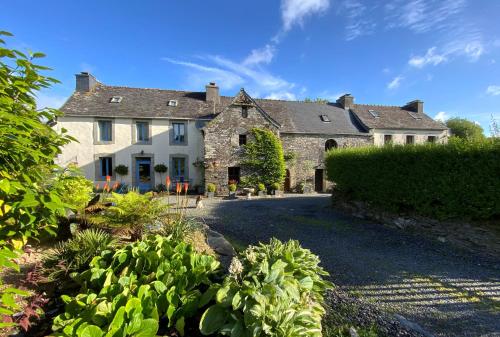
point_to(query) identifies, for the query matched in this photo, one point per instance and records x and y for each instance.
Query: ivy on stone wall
(263, 158)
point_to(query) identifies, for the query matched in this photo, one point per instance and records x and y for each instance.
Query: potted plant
(211, 190)
(121, 170)
(232, 189)
(277, 191)
(261, 190)
(161, 168)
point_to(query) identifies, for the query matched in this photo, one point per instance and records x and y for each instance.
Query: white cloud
(283, 95)
(442, 116)
(295, 11)
(203, 74)
(358, 23)
(422, 15)
(474, 50)
(262, 55)
(493, 90)
(395, 83)
(431, 57)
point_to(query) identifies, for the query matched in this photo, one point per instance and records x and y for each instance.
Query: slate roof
(394, 117)
(292, 116)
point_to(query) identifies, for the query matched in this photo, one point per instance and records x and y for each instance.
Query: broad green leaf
(212, 320)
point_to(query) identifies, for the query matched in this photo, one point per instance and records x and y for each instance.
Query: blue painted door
(143, 174)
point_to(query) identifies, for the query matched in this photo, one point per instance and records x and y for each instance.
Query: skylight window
(374, 113)
(414, 115)
(172, 102)
(115, 99)
(324, 118)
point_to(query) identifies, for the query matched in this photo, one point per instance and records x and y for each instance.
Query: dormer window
(414, 115)
(325, 118)
(172, 102)
(374, 113)
(115, 99)
(244, 111)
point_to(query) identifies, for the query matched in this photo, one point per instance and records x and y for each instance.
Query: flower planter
(232, 195)
(210, 195)
(261, 193)
(278, 193)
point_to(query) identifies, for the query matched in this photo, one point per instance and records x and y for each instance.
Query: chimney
(347, 101)
(415, 106)
(212, 93)
(85, 82)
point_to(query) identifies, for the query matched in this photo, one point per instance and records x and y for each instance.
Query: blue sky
(444, 52)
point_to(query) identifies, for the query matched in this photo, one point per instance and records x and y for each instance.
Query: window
(233, 174)
(172, 102)
(330, 144)
(387, 139)
(179, 133)
(410, 139)
(179, 168)
(244, 111)
(115, 99)
(142, 131)
(243, 140)
(374, 113)
(414, 115)
(106, 166)
(431, 139)
(105, 131)
(325, 119)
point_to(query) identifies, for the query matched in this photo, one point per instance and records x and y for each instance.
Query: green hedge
(460, 179)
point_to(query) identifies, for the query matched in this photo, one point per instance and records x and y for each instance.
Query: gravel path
(447, 291)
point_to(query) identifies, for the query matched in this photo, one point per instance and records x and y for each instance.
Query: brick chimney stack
(415, 106)
(346, 101)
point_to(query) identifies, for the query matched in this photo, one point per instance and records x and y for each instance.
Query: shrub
(211, 187)
(465, 129)
(273, 290)
(28, 147)
(161, 169)
(276, 186)
(263, 158)
(131, 212)
(75, 254)
(138, 289)
(233, 187)
(261, 187)
(459, 179)
(121, 170)
(75, 190)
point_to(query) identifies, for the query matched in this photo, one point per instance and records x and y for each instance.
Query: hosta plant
(271, 290)
(147, 286)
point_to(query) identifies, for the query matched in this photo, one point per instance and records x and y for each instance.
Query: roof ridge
(140, 88)
(381, 105)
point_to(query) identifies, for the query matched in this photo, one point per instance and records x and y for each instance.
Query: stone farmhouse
(199, 135)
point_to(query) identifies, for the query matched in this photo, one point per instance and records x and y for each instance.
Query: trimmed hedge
(460, 179)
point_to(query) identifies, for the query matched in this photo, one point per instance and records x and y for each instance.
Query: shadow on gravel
(448, 291)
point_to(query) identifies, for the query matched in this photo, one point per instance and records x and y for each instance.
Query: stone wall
(221, 142)
(310, 151)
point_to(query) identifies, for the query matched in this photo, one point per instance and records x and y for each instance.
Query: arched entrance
(330, 144)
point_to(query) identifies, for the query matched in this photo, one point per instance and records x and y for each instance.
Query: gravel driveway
(447, 291)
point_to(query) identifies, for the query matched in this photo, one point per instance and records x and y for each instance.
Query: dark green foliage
(136, 290)
(121, 170)
(465, 129)
(264, 158)
(75, 254)
(273, 289)
(460, 179)
(161, 168)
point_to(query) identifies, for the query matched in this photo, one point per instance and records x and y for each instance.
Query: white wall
(399, 136)
(85, 151)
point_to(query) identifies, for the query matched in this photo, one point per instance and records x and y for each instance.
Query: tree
(264, 159)
(28, 146)
(463, 128)
(121, 170)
